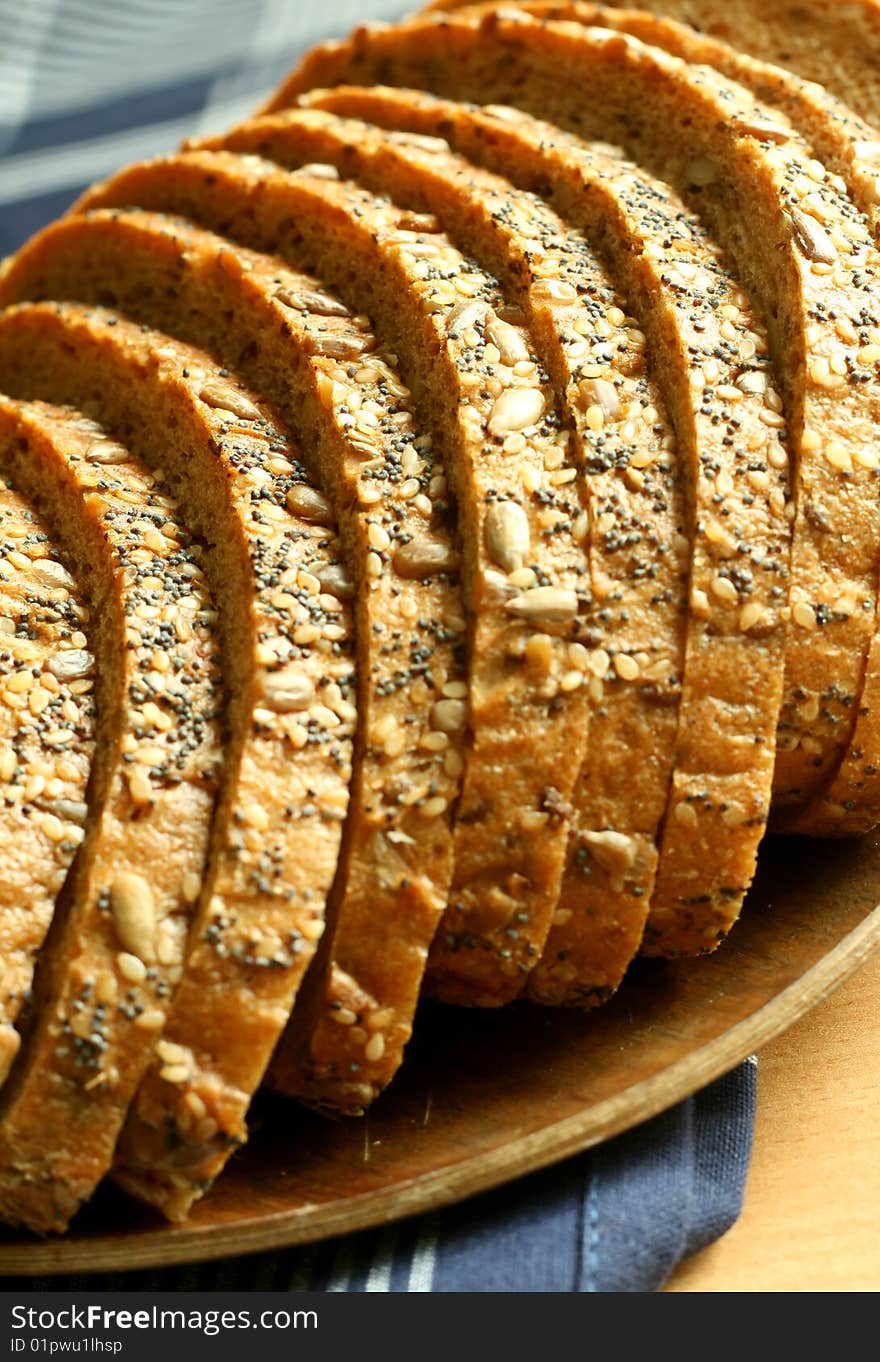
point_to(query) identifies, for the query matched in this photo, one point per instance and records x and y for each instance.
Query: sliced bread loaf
(823, 41)
(850, 148)
(816, 288)
(300, 346)
(632, 669)
(287, 756)
(501, 441)
(696, 319)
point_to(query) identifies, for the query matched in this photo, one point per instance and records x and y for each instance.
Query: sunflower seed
(71, 664)
(763, 129)
(310, 504)
(423, 142)
(507, 535)
(615, 852)
(449, 716)
(510, 343)
(134, 914)
(602, 393)
(497, 588)
(545, 605)
(52, 574)
(287, 691)
(753, 383)
(311, 300)
(811, 237)
(319, 170)
(418, 222)
(516, 409)
(701, 171)
(466, 315)
(505, 113)
(71, 809)
(336, 581)
(557, 289)
(423, 558)
(510, 14)
(105, 450)
(340, 347)
(227, 399)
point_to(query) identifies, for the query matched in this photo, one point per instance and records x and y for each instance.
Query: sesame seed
(375, 1048)
(804, 615)
(174, 1073)
(626, 667)
(131, 967)
(724, 590)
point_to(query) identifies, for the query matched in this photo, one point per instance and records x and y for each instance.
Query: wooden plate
(487, 1097)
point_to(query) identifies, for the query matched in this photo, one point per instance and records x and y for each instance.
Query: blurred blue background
(89, 85)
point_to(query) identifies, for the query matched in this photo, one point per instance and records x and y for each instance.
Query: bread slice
(501, 441)
(109, 964)
(286, 770)
(47, 720)
(300, 347)
(633, 668)
(692, 124)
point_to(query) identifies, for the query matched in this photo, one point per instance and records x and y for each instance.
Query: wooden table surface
(811, 1218)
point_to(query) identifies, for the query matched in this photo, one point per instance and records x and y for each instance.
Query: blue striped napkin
(84, 88)
(618, 1218)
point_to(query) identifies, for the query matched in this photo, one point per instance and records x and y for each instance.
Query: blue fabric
(617, 1218)
(84, 88)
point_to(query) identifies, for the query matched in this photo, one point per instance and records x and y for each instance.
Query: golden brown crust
(632, 669)
(435, 307)
(47, 719)
(300, 347)
(261, 899)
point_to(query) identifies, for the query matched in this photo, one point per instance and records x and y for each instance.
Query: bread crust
(435, 314)
(260, 899)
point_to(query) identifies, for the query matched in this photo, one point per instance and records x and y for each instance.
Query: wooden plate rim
(455, 1182)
